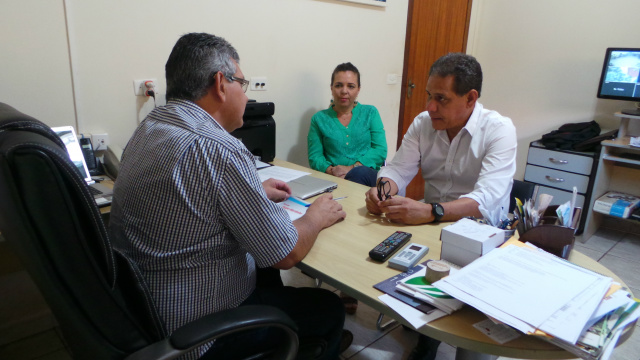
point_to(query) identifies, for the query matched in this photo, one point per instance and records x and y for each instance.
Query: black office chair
(522, 190)
(98, 297)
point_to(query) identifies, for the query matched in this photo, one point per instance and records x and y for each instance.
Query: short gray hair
(193, 63)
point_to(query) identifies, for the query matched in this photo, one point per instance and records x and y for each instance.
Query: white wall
(34, 60)
(294, 43)
(542, 60)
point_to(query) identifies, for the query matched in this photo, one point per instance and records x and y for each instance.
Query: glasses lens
(245, 85)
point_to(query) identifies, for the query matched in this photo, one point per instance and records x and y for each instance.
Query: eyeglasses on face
(384, 190)
(243, 82)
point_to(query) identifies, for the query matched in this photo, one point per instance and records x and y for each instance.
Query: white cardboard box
(467, 240)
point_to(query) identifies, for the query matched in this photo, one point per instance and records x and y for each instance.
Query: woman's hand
(341, 170)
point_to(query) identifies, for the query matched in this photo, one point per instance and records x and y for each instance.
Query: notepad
(307, 186)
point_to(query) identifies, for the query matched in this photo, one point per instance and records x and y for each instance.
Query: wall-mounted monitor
(620, 77)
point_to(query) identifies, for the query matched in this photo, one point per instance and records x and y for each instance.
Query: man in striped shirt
(190, 210)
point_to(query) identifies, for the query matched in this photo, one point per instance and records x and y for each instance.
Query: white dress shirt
(479, 163)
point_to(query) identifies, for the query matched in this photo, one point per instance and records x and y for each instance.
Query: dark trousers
(318, 313)
(362, 175)
(426, 349)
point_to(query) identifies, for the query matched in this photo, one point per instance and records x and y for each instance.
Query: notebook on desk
(101, 193)
(307, 186)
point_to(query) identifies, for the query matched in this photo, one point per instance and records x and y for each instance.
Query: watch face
(437, 210)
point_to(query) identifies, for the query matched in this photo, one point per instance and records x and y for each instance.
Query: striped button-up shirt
(190, 210)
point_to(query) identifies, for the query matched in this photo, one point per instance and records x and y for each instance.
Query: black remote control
(389, 246)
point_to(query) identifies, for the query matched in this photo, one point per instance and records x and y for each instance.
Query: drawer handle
(560, 162)
(554, 179)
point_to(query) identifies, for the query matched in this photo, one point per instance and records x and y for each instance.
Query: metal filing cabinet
(558, 171)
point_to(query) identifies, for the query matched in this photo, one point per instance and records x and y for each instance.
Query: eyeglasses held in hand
(384, 190)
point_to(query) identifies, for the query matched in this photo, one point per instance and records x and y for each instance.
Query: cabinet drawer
(560, 160)
(555, 178)
(560, 197)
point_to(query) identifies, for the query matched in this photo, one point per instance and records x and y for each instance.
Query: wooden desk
(340, 258)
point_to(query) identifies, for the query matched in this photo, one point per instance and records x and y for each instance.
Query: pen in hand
(340, 198)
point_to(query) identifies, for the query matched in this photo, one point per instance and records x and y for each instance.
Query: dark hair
(193, 63)
(465, 69)
(346, 67)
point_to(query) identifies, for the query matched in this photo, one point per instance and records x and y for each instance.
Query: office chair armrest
(213, 326)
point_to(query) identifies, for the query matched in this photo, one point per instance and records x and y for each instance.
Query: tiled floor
(616, 250)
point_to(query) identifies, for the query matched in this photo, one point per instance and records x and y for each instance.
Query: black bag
(569, 135)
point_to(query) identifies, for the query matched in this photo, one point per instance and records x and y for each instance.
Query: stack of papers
(540, 294)
(388, 286)
(419, 288)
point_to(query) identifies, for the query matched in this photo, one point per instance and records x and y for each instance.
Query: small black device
(89, 155)
(389, 246)
(620, 77)
(438, 211)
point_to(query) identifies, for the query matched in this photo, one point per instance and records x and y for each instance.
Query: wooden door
(434, 28)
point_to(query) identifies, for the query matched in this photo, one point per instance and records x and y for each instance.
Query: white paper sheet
(568, 322)
(280, 173)
(295, 207)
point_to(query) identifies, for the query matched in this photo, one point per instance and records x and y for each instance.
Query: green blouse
(330, 143)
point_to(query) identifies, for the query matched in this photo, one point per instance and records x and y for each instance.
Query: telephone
(112, 157)
(89, 156)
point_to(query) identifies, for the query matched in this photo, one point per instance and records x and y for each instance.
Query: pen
(340, 198)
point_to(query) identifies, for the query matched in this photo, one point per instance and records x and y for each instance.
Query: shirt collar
(197, 111)
(355, 110)
(472, 124)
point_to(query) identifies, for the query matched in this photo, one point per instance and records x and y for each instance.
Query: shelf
(633, 159)
(621, 142)
(617, 169)
(620, 114)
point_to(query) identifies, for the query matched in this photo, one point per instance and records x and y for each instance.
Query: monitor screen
(620, 71)
(68, 136)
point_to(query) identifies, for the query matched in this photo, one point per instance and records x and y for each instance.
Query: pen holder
(554, 239)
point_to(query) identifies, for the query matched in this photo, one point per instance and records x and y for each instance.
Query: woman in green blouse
(347, 139)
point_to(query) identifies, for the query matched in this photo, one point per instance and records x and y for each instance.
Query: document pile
(419, 288)
(544, 295)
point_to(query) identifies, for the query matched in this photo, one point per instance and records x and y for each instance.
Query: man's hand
(372, 201)
(277, 190)
(404, 210)
(325, 211)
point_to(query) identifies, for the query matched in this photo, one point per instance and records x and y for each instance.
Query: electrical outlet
(100, 141)
(258, 83)
(139, 86)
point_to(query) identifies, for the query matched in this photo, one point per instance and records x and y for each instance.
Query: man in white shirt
(466, 153)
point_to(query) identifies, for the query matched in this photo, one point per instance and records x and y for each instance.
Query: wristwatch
(437, 210)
